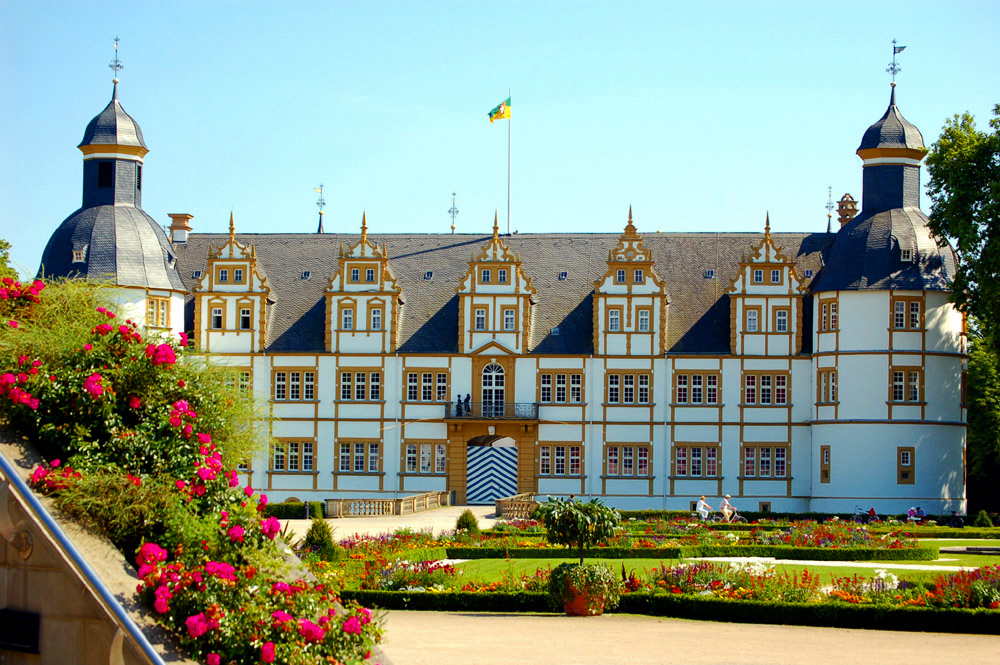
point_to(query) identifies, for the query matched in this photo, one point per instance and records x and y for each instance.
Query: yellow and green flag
(501, 111)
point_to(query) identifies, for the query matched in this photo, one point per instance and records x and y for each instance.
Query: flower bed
(686, 552)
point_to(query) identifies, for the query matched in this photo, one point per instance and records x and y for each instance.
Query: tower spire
(767, 224)
(232, 227)
(496, 227)
(364, 228)
(829, 207)
(320, 202)
(115, 66)
(453, 211)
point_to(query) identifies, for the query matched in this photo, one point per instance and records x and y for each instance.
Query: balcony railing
(491, 410)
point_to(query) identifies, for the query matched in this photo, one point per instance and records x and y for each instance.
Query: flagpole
(509, 121)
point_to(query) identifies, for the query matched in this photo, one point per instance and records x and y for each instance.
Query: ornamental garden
(143, 442)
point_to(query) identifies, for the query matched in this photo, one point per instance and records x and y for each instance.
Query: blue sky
(701, 115)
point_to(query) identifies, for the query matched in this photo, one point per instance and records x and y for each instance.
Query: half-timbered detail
(231, 299)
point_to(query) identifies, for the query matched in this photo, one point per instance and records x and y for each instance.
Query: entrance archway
(491, 469)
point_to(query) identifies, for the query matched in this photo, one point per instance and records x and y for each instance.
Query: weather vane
(116, 64)
(453, 211)
(829, 207)
(320, 203)
(893, 68)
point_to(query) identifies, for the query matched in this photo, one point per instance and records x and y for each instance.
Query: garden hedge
(834, 615)
(971, 533)
(776, 551)
(293, 510)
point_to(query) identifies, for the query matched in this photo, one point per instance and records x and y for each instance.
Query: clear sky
(701, 115)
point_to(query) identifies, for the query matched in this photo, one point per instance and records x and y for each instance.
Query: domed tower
(110, 238)
(887, 344)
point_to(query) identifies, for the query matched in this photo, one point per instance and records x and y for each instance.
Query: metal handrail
(491, 410)
(17, 485)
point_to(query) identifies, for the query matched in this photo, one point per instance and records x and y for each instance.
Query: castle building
(795, 371)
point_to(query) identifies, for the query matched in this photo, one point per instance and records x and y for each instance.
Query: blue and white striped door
(491, 473)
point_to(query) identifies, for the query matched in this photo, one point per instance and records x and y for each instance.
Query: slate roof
(892, 130)
(698, 318)
(865, 255)
(113, 126)
(124, 246)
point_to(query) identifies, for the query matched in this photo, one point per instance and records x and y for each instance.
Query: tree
(964, 188)
(983, 388)
(579, 525)
(5, 269)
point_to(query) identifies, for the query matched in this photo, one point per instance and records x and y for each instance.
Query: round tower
(888, 354)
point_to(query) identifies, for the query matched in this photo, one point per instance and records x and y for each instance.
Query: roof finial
(453, 211)
(116, 66)
(629, 227)
(767, 224)
(320, 202)
(364, 228)
(232, 226)
(829, 207)
(893, 68)
(496, 227)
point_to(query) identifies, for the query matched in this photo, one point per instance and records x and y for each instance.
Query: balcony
(456, 411)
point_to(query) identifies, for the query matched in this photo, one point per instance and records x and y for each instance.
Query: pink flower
(184, 338)
(87, 347)
(162, 595)
(150, 553)
(271, 526)
(365, 615)
(236, 534)
(92, 385)
(187, 430)
(134, 402)
(54, 463)
(221, 570)
(352, 625)
(204, 438)
(248, 490)
(180, 383)
(12, 323)
(206, 474)
(267, 652)
(181, 484)
(313, 633)
(281, 616)
(212, 659)
(280, 587)
(199, 624)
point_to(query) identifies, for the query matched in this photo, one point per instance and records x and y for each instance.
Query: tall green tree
(964, 188)
(983, 402)
(5, 269)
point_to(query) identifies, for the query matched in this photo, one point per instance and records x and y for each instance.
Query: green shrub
(982, 520)
(598, 582)
(288, 510)
(776, 551)
(467, 523)
(319, 540)
(579, 525)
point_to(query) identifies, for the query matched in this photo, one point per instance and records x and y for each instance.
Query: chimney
(180, 226)
(847, 209)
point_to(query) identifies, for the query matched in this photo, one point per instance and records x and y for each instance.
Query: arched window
(493, 390)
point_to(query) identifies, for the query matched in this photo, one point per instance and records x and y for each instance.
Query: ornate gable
(494, 257)
(766, 256)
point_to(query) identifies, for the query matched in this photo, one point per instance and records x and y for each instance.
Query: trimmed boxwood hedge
(293, 510)
(776, 551)
(835, 615)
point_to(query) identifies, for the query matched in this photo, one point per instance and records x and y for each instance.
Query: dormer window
(223, 276)
(306, 274)
(620, 277)
(238, 275)
(80, 255)
(196, 274)
(502, 276)
(906, 255)
(355, 274)
(637, 277)
(809, 273)
(563, 275)
(370, 275)
(554, 331)
(776, 277)
(484, 277)
(709, 274)
(429, 275)
(758, 276)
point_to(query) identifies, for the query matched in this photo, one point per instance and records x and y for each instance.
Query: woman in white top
(703, 508)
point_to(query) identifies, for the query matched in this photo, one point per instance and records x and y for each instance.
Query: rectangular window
(750, 392)
(765, 388)
(244, 318)
(545, 461)
(560, 466)
(643, 320)
(216, 318)
(712, 389)
(833, 316)
(412, 387)
(642, 462)
(370, 275)
(223, 276)
(237, 276)
(696, 461)
(575, 388)
(614, 381)
(899, 314)
(545, 389)
(157, 312)
(294, 386)
(439, 458)
(105, 174)
(376, 319)
(614, 320)
(643, 397)
(138, 177)
(915, 314)
(411, 458)
(308, 456)
(780, 389)
(776, 277)
(480, 319)
(905, 465)
(696, 388)
(750, 462)
(347, 318)
(628, 388)
(359, 458)
(278, 458)
(375, 386)
(781, 320)
(442, 387)
(628, 461)
(427, 386)
(764, 463)
(485, 277)
(824, 464)
(359, 386)
(758, 276)
(681, 461)
(280, 385)
(779, 462)
(682, 388)
(373, 457)
(574, 460)
(620, 277)
(425, 458)
(345, 387)
(824, 319)
(561, 388)
(711, 462)
(897, 386)
(753, 316)
(293, 455)
(355, 274)
(612, 460)
(508, 319)
(502, 276)
(637, 277)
